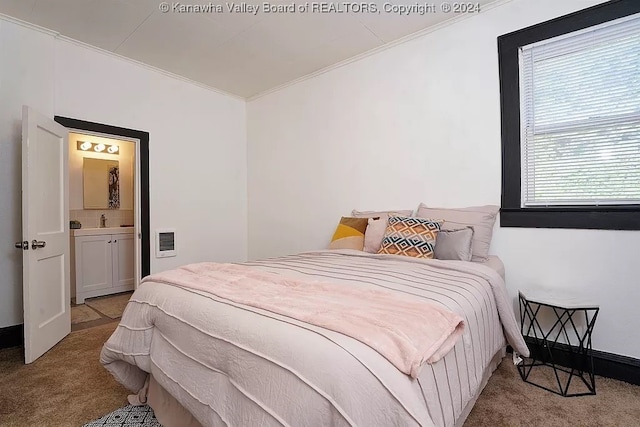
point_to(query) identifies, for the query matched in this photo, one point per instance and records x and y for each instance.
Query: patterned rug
(129, 416)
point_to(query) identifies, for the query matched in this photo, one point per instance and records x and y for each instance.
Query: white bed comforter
(233, 365)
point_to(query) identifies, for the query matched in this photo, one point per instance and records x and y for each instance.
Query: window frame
(605, 217)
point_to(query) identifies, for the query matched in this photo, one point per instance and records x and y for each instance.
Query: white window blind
(580, 117)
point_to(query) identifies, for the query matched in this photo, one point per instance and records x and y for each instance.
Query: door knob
(36, 244)
(22, 245)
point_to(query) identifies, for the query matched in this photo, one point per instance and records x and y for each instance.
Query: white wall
(197, 147)
(421, 122)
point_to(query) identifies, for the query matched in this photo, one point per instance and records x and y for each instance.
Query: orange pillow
(410, 236)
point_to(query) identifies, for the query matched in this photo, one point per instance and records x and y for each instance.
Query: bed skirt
(170, 413)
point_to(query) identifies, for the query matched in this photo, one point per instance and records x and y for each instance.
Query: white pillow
(376, 227)
(374, 234)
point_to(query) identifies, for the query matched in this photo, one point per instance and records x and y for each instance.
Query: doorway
(141, 182)
(104, 259)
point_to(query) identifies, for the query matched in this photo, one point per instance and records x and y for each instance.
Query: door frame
(141, 139)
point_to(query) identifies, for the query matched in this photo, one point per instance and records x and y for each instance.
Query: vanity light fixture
(98, 147)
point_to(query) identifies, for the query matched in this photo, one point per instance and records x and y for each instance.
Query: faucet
(103, 221)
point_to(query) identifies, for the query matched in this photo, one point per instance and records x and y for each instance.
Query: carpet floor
(68, 387)
(509, 401)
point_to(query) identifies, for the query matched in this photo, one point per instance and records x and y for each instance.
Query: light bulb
(99, 148)
(85, 146)
(113, 149)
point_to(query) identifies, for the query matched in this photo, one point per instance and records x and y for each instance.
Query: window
(580, 117)
(570, 97)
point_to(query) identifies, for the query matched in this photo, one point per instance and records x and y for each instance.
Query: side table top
(557, 298)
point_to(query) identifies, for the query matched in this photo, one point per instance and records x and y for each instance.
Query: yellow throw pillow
(349, 234)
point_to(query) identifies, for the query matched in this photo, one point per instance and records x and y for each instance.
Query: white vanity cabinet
(102, 262)
(122, 257)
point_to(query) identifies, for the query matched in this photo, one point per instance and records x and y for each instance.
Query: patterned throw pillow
(349, 234)
(410, 236)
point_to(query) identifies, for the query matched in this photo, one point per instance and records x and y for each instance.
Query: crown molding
(382, 48)
(64, 38)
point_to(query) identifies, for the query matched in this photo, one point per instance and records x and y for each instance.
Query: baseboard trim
(605, 364)
(11, 336)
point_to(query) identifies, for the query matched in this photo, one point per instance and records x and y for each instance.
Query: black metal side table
(566, 315)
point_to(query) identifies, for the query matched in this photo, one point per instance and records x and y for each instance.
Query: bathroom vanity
(102, 261)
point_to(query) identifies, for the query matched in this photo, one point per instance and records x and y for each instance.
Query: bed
(202, 360)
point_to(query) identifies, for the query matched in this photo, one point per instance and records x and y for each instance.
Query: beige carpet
(112, 305)
(65, 387)
(83, 313)
(69, 387)
(508, 401)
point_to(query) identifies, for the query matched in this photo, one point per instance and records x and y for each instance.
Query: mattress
(228, 365)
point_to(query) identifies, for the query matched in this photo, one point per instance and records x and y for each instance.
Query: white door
(123, 260)
(45, 233)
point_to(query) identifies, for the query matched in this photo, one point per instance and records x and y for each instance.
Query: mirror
(101, 184)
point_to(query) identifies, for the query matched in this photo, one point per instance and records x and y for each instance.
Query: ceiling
(239, 53)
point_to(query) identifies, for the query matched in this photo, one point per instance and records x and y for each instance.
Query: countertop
(101, 231)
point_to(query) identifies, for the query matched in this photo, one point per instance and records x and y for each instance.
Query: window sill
(583, 217)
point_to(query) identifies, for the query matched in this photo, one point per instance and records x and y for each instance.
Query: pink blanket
(407, 332)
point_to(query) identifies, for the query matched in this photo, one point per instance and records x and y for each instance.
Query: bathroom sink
(101, 231)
